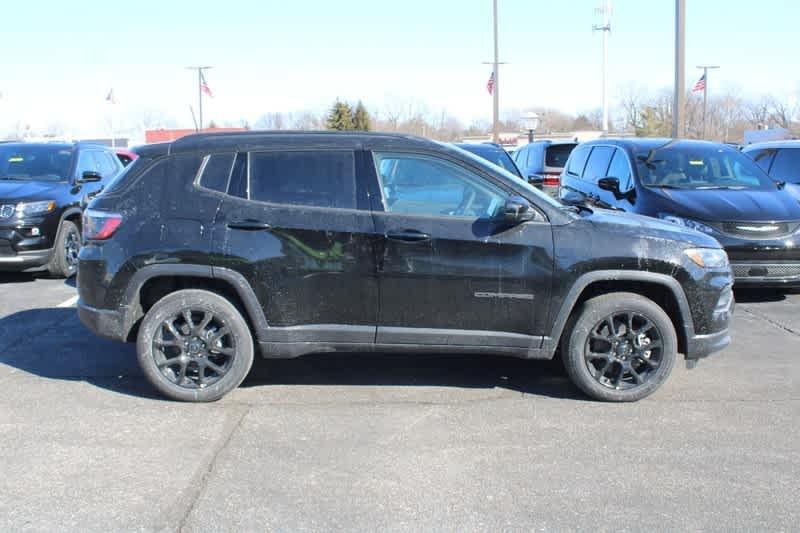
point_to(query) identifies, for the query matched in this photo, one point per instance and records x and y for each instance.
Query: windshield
(35, 163)
(514, 178)
(497, 156)
(679, 166)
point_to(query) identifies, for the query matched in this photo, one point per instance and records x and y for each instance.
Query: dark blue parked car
(705, 186)
(781, 160)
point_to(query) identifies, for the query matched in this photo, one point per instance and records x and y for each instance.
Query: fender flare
(550, 344)
(130, 300)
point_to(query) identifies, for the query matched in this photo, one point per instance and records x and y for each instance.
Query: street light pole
(705, 69)
(199, 94)
(496, 92)
(678, 112)
(605, 27)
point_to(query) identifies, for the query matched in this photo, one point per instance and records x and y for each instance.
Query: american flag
(204, 86)
(700, 85)
(490, 84)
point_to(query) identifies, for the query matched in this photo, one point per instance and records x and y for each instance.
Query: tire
(190, 361)
(619, 365)
(68, 242)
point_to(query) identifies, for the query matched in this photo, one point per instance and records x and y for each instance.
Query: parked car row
(704, 186)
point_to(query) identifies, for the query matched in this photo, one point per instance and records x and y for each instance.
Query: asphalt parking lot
(396, 443)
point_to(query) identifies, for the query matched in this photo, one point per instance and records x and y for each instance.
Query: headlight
(707, 257)
(687, 222)
(26, 209)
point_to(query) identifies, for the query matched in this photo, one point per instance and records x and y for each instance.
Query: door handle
(249, 225)
(408, 235)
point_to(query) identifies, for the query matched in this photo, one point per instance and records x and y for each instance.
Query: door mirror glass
(90, 176)
(609, 184)
(516, 210)
(570, 197)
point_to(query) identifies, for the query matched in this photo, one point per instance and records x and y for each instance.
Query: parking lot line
(69, 303)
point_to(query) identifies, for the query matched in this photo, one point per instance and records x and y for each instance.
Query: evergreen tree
(361, 118)
(340, 117)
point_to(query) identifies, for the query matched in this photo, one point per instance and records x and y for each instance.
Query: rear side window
(787, 165)
(577, 161)
(597, 166)
(217, 172)
(557, 155)
(308, 178)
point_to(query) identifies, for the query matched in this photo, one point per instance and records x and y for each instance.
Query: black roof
(309, 139)
(772, 144)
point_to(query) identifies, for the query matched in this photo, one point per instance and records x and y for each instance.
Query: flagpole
(199, 69)
(705, 69)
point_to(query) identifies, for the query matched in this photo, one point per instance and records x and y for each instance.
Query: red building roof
(162, 136)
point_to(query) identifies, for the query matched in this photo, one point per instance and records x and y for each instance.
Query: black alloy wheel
(194, 349)
(624, 350)
(72, 246)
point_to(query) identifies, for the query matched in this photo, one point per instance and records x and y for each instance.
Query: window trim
(250, 198)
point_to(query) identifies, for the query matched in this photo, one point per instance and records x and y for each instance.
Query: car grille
(766, 270)
(758, 230)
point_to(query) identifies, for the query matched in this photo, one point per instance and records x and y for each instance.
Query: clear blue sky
(59, 59)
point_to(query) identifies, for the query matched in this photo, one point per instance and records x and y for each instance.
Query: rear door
(448, 273)
(295, 226)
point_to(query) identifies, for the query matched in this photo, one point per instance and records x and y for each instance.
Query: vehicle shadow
(17, 277)
(752, 296)
(53, 344)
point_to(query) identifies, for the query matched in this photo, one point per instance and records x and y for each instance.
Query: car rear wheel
(621, 347)
(195, 346)
(64, 262)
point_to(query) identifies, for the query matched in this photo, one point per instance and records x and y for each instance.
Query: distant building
(764, 135)
(167, 135)
(516, 140)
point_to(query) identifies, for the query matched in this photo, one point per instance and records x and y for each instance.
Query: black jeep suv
(42, 190)
(299, 243)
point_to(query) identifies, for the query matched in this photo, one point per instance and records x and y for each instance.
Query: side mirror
(570, 197)
(781, 184)
(90, 177)
(536, 180)
(609, 184)
(515, 211)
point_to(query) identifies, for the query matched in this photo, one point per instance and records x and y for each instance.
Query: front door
(450, 274)
(297, 235)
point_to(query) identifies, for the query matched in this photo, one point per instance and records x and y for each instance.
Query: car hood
(629, 225)
(11, 190)
(720, 205)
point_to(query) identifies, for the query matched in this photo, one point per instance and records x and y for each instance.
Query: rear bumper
(107, 323)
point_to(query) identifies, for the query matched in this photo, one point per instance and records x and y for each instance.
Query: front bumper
(15, 262)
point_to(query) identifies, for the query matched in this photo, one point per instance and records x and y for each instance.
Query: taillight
(553, 180)
(100, 225)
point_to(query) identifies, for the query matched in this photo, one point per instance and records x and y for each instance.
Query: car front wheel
(621, 347)
(194, 345)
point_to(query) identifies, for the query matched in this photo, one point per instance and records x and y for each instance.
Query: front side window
(763, 158)
(620, 169)
(309, 178)
(34, 163)
(700, 167)
(422, 185)
(787, 165)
